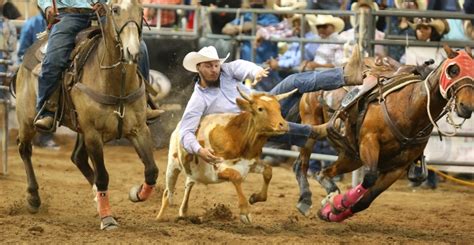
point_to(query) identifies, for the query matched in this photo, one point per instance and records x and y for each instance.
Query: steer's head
(265, 111)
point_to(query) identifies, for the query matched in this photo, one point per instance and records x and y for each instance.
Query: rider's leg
(144, 68)
(60, 45)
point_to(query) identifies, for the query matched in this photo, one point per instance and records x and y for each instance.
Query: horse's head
(457, 79)
(124, 18)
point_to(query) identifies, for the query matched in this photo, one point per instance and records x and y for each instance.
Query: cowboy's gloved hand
(208, 155)
(99, 8)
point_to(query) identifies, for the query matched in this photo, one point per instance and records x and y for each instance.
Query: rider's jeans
(305, 82)
(60, 44)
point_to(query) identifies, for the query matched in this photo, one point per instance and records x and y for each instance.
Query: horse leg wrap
(341, 202)
(103, 206)
(340, 217)
(145, 191)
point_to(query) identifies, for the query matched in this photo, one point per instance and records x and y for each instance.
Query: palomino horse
(391, 135)
(110, 72)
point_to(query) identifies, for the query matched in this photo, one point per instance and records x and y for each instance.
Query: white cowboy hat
(421, 4)
(206, 54)
(290, 5)
(355, 7)
(337, 22)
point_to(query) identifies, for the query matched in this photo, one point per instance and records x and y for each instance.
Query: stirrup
(53, 127)
(418, 171)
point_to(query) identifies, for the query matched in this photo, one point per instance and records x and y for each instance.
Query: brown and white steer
(238, 139)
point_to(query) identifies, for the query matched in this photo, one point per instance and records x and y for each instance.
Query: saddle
(344, 125)
(59, 102)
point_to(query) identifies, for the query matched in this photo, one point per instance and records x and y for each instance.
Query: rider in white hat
(215, 92)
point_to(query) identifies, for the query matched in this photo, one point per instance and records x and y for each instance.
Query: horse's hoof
(33, 204)
(246, 219)
(304, 208)
(108, 223)
(133, 194)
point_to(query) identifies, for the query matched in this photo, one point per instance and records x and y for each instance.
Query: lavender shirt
(213, 100)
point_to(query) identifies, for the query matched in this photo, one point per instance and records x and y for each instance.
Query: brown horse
(110, 73)
(392, 134)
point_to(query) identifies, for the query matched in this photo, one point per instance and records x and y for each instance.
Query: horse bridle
(117, 32)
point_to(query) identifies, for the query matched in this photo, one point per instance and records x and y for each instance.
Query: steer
(236, 138)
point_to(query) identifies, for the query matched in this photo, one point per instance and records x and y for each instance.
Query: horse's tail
(12, 87)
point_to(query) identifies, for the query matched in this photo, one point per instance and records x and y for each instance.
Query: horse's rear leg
(94, 147)
(338, 207)
(25, 150)
(80, 158)
(144, 147)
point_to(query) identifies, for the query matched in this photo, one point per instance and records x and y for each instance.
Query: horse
(108, 101)
(385, 133)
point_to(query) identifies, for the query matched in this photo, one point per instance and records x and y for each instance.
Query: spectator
(399, 25)
(243, 24)
(349, 35)
(8, 33)
(324, 4)
(427, 30)
(30, 29)
(291, 59)
(456, 31)
(468, 24)
(219, 20)
(168, 17)
(327, 55)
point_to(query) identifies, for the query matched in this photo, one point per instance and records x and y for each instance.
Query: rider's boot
(354, 68)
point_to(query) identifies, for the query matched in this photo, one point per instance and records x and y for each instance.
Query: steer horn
(244, 95)
(285, 95)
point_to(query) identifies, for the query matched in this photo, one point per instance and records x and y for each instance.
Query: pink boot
(145, 191)
(103, 206)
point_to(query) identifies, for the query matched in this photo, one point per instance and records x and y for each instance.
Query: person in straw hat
(292, 57)
(427, 30)
(327, 55)
(215, 92)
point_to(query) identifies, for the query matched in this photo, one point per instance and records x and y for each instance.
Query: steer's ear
(244, 105)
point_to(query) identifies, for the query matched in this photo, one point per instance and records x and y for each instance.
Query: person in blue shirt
(215, 92)
(30, 29)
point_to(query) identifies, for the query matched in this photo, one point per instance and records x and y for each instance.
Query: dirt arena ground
(400, 215)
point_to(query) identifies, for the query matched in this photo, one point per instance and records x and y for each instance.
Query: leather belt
(76, 10)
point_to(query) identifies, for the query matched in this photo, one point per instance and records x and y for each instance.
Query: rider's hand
(50, 15)
(208, 155)
(99, 8)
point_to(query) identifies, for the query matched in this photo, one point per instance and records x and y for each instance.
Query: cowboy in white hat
(327, 55)
(215, 92)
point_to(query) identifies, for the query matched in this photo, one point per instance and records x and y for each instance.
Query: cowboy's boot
(354, 68)
(318, 131)
(45, 123)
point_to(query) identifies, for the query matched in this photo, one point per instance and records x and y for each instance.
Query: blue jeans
(61, 42)
(305, 82)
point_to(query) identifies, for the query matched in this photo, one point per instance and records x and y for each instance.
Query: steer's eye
(260, 109)
(453, 70)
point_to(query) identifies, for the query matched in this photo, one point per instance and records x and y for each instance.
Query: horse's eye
(116, 10)
(453, 70)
